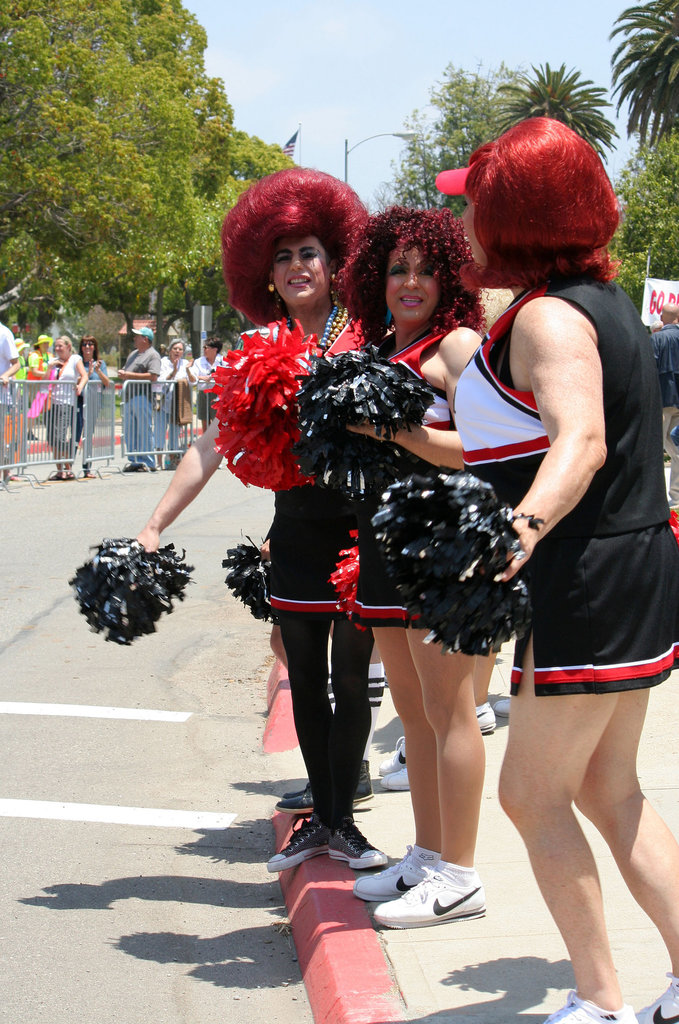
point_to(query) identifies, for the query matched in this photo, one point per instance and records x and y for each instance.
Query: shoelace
(353, 838)
(304, 829)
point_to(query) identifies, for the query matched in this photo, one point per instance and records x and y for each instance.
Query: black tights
(332, 745)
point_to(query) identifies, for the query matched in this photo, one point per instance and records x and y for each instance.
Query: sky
(350, 69)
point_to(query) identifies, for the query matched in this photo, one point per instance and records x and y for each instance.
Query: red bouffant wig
(298, 202)
(440, 238)
(543, 206)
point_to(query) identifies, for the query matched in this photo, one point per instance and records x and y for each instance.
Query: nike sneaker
(396, 781)
(434, 900)
(664, 1010)
(397, 759)
(485, 716)
(581, 1011)
(348, 844)
(391, 883)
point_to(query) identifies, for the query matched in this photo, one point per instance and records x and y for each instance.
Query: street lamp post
(408, 136)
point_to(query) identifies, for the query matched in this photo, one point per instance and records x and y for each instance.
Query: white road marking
(87, 711)
(112, 815)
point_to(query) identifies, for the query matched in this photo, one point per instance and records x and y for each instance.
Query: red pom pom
(345, 579)
(257, 407)
(674, 525)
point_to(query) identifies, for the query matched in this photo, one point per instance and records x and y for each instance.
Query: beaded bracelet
(534, 522)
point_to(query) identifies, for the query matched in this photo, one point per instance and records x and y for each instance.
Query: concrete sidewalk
(508, 966)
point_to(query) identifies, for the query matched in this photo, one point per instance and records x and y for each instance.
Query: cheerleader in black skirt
(283, 243)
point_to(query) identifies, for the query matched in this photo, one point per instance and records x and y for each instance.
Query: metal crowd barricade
(37, 425)
(99, 424)
(157, 421)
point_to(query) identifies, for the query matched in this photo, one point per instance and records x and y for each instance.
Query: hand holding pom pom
(249, 579)
(124, 589)
(347, 390)
(257, 407)
(446, 539)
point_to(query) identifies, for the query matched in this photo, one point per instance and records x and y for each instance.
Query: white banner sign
(656, 294)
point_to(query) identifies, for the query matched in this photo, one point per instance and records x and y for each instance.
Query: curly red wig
(297, 201)
(543, 205)
(441, 239)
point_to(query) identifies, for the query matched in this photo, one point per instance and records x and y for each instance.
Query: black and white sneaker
(309, 839)
(348, 844)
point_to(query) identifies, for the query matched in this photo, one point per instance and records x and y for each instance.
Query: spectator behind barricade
(39, 357)
(142, 369)
(21, 347)
(97, 376)
(666, 350)
(9, 367)
(173, 367)
(66, 367)
(204, 368)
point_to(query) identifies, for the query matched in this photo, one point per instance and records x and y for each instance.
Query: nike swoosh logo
(659, 1019)
(440, 910)
(403, 886)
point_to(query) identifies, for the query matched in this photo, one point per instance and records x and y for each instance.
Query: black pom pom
(446, 539)
(349, 389)
(124, 589)
(249, 579)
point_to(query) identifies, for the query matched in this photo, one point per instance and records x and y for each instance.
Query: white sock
(460, 877)
(482, 707)
(425, 858)
(604, 1015)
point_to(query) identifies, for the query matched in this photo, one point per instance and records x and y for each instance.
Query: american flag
(289, 147)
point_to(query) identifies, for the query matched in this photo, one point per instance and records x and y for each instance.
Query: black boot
(364, 789)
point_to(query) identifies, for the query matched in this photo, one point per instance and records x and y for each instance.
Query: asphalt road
(135, 922)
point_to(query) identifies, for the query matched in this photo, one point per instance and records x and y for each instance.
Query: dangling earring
(272, 287)
(333, 294)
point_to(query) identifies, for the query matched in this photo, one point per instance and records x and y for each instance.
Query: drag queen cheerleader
(405, 271)
(283, 244)
(560, 411)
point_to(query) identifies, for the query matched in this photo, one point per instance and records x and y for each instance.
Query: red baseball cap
(452, 183)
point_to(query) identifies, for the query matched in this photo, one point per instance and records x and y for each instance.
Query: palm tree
(562, 95)
(646, 67)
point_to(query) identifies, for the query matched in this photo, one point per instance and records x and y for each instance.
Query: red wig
(297, 201)
(440, 238)
(543, 206)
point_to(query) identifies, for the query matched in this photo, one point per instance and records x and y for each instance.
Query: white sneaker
(501, 707)
(434, 900)
(665, 1009)
(397, 759)
(391, 883)
(397, 780)
(580, 1011)
(485, 716)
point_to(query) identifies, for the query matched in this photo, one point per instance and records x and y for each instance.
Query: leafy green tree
(649, 193)
(118, 157)
(562, 95)
(646, 67)
(465, 104)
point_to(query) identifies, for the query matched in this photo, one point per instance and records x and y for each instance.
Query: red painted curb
(342, 962)
(279, 732)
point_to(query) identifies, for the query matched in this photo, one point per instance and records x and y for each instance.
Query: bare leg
(448, 697)
(552, 743)
(645, 850)
(277, 647)
(481, 672)
(406, 691)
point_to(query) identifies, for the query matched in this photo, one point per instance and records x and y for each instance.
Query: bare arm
(442, 369)
(193, 472)
(554, 353)
(11, 370)
(82, 377)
